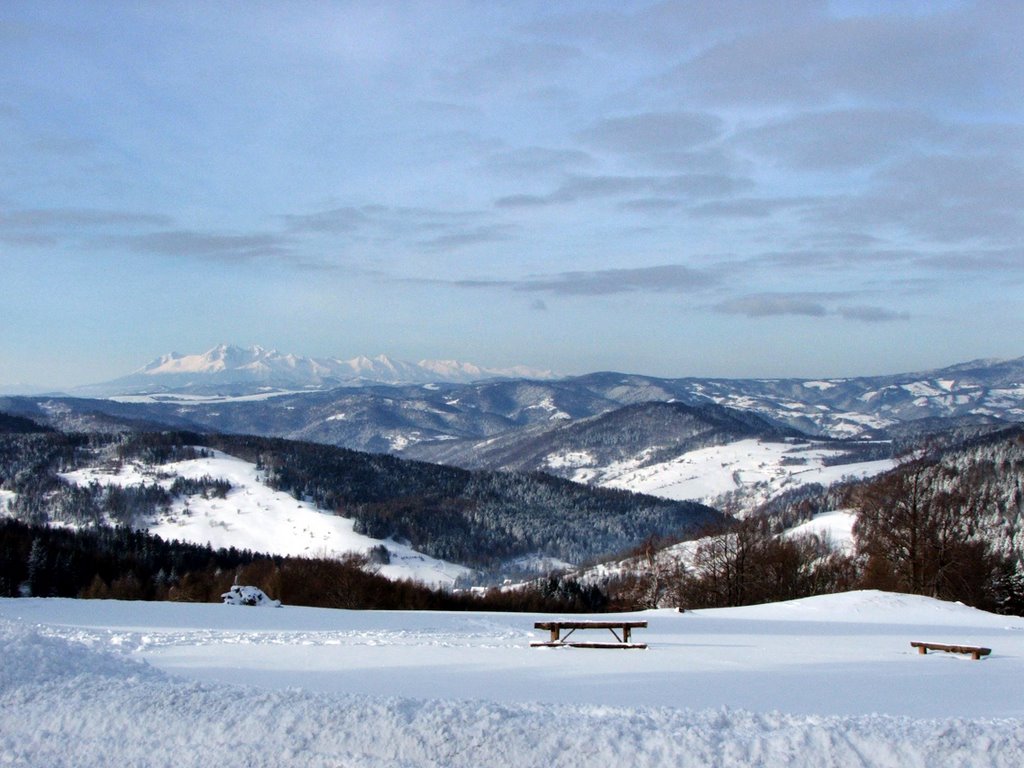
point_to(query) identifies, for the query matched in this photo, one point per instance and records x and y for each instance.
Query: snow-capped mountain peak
(230, 369)
(219, 358)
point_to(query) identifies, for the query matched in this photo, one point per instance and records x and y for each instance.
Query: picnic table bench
(976, 651)
(558, 640)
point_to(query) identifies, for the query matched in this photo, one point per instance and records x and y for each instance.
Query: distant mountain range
(261, 392)
(228, 370)
(388, 405)
(623, 430)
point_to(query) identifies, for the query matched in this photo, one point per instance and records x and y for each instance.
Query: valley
(454, 484)
(677, 438)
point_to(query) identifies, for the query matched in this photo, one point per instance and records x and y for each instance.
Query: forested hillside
(979, 477)
(948, 523)
(482, 519)
(656, 430)
(478, 518)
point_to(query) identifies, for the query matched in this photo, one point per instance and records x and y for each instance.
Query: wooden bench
(976, 651)
(558, 640)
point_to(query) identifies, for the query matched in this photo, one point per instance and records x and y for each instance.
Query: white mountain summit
(231, 370)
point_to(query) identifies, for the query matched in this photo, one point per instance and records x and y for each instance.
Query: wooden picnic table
(558, 640)
(976, 651)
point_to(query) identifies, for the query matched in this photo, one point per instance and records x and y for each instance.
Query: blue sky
(671, 188)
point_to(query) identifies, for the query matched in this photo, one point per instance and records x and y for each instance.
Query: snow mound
(255, 596)
(31, 657)
(867, 607)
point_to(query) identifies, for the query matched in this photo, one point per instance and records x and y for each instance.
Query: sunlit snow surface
(828, 681)
(835, 526)
(256, 517)
(756, 469)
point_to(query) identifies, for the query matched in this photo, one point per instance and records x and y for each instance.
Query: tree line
(125, 564)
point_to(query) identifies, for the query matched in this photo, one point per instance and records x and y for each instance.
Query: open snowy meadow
(827, 681)
(254, 516)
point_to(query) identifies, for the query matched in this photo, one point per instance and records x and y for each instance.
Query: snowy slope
(748, 471)
(829, 681)
(836, 526)
(721, 457)
(256, 517)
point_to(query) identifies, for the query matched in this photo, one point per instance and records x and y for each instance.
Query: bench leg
(554, 634)
(922, 650)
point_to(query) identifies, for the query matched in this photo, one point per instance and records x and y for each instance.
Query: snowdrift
(829, 681)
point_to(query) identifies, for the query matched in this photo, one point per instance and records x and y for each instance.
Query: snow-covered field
(755, 470)
(828, 681)
(256, 517)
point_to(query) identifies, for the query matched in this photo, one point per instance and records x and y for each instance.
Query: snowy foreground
(828, 681)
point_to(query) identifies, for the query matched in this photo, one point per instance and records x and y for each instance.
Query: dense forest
(125, 564)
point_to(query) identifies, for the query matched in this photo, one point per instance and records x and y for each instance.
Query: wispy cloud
(453, 240)
(210, 245)
(941, 58)
(805, 305)
(653, 132)
(576, 188)
(822, 163)
(528, 162)
(767, 305)
(867, 254)
(334, 220)
(943, 198)
(847, 138)
(45, 227)
(747, 207)
(666, 278)
(990, 262)
(377, 220)
(27, 240)
(424, 229)
(51, 218)
(870, 314)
